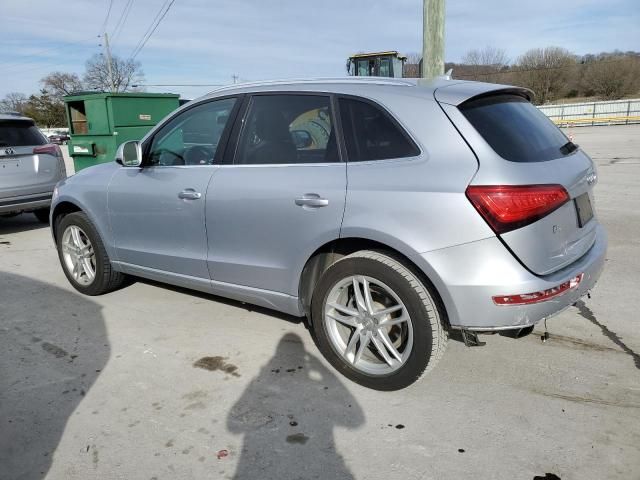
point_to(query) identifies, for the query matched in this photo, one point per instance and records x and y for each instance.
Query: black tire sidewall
(420, 318)
(80, 219)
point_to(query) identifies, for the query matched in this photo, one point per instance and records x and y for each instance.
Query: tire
(105, 278)
(42, 214)
(419, 343)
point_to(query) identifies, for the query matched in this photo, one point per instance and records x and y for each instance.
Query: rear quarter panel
(416, 204)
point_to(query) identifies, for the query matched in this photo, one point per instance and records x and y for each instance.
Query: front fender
(88, 192)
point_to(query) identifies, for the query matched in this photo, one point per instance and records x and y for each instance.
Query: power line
(152, 31)
(123, 18)
(106, 19)
(155, 19)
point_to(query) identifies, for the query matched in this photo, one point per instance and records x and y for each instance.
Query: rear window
(516, 130)
(20, 133)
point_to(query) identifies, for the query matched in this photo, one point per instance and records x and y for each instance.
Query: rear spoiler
(459, 93)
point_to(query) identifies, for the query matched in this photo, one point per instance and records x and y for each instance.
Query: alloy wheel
(368, 325)
(78, 254)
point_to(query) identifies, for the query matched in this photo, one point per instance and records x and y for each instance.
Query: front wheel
(377, 322)
(83, 257)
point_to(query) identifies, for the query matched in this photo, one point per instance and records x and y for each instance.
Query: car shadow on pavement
(288, 414)
(20, 223)
(53, 346)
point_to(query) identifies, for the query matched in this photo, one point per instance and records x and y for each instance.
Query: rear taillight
(541, 296)
(507, 207)
(49, 149)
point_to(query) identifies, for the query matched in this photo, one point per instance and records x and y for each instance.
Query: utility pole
(433, 38)
(235, 78)
(109, 66)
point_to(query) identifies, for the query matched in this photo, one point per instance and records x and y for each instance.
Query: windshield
(515, 129)
(20, 133)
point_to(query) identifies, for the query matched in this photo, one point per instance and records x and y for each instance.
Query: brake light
(49, 149)
(535, 297)
(508, 207)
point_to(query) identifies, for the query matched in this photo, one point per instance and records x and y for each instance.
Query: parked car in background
(30, 167)
(59, 138)
(387, 211)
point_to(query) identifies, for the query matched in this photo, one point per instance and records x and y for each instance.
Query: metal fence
(616, 112)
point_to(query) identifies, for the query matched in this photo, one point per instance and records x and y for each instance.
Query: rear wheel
(83, 257)
(376, 322)
(42, 214)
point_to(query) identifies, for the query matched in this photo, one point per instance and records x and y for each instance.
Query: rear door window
(288, 129)
(20, 133)
(371, 134)
(516, 130)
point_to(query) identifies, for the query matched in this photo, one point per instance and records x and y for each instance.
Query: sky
(210, 41)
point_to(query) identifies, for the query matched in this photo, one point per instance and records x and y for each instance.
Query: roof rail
(403, 82)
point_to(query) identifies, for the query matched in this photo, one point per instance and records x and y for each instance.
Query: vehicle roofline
(443, 89)
(15, 116)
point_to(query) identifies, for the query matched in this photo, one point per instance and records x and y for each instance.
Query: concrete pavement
(154, 382)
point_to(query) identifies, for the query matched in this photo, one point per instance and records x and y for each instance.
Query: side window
(192, 137)
(370, 134)
(287, 129)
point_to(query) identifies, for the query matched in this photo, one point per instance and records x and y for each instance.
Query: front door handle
(189, 194)
(312, 200)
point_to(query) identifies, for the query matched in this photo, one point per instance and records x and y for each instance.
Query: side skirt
(264, 298)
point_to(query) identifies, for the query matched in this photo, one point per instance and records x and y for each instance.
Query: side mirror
(129, 154)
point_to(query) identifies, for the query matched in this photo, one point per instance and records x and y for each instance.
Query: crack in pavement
(588, 314)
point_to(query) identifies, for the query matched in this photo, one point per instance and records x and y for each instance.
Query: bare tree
(485, 64)
(14, 102)
(611, 78)
(60, 84)
(125, 74)
(412, 65)
(546, 71)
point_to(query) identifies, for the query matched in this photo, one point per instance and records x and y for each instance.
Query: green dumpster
(100, 122)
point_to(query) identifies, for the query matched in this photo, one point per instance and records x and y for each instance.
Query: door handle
(189, 194)
(312, 200)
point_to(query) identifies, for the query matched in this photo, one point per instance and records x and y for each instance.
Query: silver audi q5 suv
(388, 212)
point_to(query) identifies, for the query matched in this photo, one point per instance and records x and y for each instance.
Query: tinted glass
(288, 129)
(371, 134)
(515, 129)
(20, 133)
(192, 137)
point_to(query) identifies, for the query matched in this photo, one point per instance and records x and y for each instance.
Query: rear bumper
(25, 202)
(470, 275)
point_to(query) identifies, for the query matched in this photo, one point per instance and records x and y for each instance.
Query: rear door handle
(189, 194)
(312, 200)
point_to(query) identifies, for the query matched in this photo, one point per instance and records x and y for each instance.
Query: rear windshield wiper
(568, 147)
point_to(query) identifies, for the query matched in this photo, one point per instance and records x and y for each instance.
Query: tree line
(47, 106)
(553, 73)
